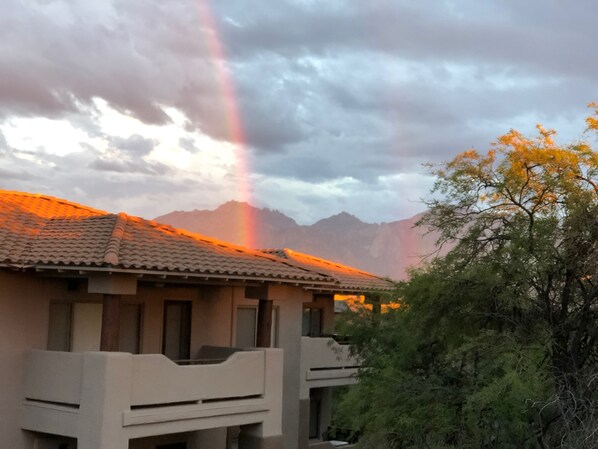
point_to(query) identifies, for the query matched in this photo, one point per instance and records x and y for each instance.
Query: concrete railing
(54, 376)
(325, 353)
(325, 363)
(241, 375)
(104, 399)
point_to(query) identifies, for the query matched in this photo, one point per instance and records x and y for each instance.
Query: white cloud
(55, 136)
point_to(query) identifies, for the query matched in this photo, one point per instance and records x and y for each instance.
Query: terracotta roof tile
(37, 230)
(23, 215)
(349, 279)
(153, 246)
(79, 241)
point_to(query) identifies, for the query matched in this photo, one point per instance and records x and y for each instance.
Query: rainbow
(226, 86)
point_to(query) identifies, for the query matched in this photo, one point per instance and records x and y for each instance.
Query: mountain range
(385, 249)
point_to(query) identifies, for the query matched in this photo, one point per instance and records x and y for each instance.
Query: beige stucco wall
(290, 301)
(213, 314)
(211, 322)
(24, 305)
(246, 389)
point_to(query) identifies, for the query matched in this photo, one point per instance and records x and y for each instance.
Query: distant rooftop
(349, 279)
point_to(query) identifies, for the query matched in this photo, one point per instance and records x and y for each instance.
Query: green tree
(495, 345)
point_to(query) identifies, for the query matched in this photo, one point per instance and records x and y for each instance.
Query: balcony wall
(325, 363)
(105, 399)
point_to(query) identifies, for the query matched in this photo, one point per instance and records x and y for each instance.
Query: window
(78, 326)
(314, 415)
(129, 332)
(274, 329)
(176, 339)
(246, 327)
(86, 328)
(59, 327)
(311, 325)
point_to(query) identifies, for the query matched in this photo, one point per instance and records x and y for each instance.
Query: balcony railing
(326, 363)
(132, 396)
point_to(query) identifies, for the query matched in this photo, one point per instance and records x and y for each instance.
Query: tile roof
(22, 217)
(42, 231)
(349, 279)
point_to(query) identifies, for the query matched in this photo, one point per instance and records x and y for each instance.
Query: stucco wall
(24, 305)
(290, 301)
(211, 309)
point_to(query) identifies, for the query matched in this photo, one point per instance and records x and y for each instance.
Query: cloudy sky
(309, 107)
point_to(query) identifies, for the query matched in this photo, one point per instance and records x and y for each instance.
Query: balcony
(104, 399)
(326, 363)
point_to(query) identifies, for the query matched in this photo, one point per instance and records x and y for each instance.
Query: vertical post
(105, 394)
(375, 300)
(264, 323)
(110, 323)
(268, 433)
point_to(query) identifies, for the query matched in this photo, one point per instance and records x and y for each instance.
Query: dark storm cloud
(127, 166)
(125, 155)
(57, 56)
(527, 58)
(11, 175)
(325, 89)
(527, 34)
(134, 145)
(140, 55)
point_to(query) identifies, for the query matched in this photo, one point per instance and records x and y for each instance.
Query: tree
(495, 345)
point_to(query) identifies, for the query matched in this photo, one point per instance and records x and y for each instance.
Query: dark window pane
(316, 323)
(314, 417)
(177, 330)
(305, 324)
(130, 328)
(311, 325)
(246, 327)
(59, 327)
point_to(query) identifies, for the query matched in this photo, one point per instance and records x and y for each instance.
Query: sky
(308, 107)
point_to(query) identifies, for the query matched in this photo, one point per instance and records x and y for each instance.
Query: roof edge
(321, 283)
(53, 198)
(333, 264)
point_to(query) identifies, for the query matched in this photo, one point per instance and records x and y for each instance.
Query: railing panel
(53, 376)
(157, 380)
(114, 397)
(325, 353)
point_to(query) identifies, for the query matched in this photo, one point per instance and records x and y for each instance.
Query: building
(119, 332)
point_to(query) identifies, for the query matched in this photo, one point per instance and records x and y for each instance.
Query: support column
(110, 323)
(105, 394)
(268, 433)
(375, 300)
(264, 323)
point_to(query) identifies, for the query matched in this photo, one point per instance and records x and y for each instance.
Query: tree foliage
(496, 344)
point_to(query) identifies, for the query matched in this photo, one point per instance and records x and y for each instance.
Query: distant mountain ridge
(385, 249)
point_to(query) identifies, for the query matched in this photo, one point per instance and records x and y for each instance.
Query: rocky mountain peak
(384, 249)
